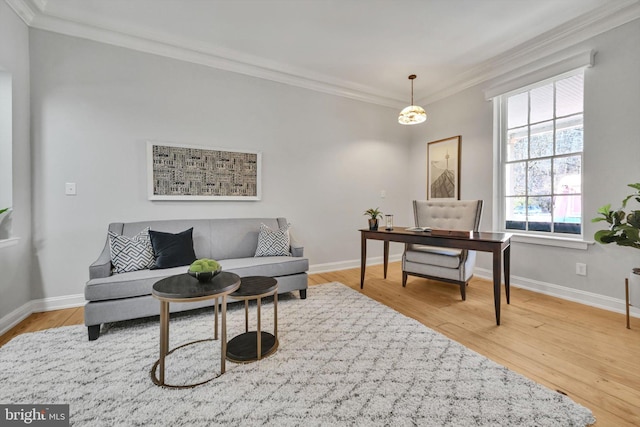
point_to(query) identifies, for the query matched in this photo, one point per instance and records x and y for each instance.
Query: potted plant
(4, 214)
(624, 227)
(373, 214)
(624, 230)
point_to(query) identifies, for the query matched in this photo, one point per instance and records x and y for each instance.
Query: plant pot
(373, 224)
(634, 278)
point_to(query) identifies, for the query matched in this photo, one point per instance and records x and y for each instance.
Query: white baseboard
(576, 295)
(354, 263)
(36, 306)
(58, 303)
(16, 316)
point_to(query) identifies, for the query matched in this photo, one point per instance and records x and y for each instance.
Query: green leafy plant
(373, 213)
(204, 265)
(3, 210)
(624, 228)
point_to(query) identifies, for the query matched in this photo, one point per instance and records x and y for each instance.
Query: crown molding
(35, 15)
(25, 9)
(527, 54)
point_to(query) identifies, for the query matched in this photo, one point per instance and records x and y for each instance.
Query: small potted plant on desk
(373, 214)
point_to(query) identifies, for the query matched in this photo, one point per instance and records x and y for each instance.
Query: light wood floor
(582, 351)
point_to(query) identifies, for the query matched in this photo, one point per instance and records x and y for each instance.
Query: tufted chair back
(448, 215)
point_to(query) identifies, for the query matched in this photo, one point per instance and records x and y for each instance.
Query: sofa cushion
(172, 250)
(273, 242)
(444, 257)
(131, 253)
(139, 283)
(265, 266)
(127, 285)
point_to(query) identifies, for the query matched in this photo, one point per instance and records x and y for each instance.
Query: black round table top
(184, 286)
(255, 285)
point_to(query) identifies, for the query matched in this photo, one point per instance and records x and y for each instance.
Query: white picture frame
(191, 172)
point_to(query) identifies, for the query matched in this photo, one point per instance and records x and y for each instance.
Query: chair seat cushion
(434, 255)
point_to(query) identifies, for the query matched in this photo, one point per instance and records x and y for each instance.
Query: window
(541, 143)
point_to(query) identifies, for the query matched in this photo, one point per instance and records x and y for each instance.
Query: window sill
(561, 242)
(5, 243)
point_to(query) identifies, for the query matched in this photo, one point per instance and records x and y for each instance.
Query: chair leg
(463, 291)
(404, 279)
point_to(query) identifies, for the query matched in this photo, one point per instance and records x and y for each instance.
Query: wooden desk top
(479, 236)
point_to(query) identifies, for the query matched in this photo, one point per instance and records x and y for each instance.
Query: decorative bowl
(204, 276)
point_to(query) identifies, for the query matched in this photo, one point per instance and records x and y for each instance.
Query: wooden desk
(497, 243)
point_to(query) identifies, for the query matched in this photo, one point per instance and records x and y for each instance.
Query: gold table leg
(215, 333)
(164, 336)
(246, 315)
(223, 344)
(259, 334)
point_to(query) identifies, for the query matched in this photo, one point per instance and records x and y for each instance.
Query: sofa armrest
(296, 248)
(102, 266)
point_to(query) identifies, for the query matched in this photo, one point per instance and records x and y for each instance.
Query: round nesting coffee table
(184, 288)
(254, 345)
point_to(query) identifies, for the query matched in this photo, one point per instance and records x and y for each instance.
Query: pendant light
(413, 114)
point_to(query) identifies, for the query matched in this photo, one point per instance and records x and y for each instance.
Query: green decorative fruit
(204, 265)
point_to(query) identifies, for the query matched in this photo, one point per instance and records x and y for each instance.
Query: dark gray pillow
(172, 250)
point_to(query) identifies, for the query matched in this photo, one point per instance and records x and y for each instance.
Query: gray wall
(611, 161)
(15, 261)
(325, 158)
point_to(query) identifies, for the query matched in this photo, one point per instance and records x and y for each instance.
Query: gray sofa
(232, 242)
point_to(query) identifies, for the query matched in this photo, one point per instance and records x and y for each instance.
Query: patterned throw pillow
(273, 243)
(131, 253)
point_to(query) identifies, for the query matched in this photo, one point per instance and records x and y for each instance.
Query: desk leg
(363, 259)
(164, 336)
(507, 272)
(386, 257)
(497, 255)
(223, 338)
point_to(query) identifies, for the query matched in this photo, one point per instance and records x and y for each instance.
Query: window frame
(501, 162)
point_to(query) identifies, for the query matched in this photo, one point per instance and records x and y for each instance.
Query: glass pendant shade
(413, 114)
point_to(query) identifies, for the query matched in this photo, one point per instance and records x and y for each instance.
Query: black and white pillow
(131, 253)
(273, 242)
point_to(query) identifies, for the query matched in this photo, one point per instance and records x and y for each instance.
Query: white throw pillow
(273, 242)
(131, 253)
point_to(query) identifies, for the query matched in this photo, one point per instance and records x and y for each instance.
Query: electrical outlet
(581, 269)
(383, 194)
(70, 188)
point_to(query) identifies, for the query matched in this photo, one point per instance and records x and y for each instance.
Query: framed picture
(443, 168)
(186, 172)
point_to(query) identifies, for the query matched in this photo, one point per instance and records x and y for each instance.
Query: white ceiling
(362, 49)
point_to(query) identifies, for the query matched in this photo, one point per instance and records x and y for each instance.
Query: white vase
(633, 292)
(634, 283)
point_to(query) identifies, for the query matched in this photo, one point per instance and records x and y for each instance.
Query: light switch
(70, 188)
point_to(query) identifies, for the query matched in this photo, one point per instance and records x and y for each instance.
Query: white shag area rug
(344, 359)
